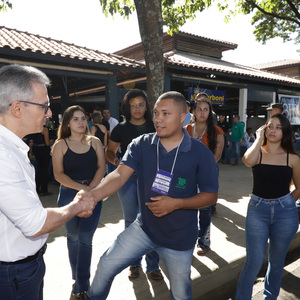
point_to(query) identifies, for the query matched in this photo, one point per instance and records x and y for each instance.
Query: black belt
(84, 182)
(27, 259)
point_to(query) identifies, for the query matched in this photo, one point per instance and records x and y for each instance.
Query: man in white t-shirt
(24, 222)
(112, 121)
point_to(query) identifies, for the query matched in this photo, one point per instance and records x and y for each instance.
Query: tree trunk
(150, 20)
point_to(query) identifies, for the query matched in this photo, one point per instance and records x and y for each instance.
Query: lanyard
(157, 150)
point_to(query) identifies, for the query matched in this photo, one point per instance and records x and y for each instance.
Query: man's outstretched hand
(86, 203)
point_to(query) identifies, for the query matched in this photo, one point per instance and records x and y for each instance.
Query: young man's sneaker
(134, 272)
(201, 250)
(156, 275)
(78, 296)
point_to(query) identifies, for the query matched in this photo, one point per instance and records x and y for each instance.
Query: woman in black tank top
(78, 164)
(272, 214)
(99, 130)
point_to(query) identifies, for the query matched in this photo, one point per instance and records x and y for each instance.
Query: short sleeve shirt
(112, 123)
(21, 212)
(195, 166)
(125, 132)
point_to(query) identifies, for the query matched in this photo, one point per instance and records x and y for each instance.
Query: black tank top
(80, 166)
(99, 134)
(271, 181)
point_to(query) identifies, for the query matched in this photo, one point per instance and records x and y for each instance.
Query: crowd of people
(165, 172)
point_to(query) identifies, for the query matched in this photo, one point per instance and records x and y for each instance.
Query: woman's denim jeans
(129, 201)
(276, 220)
(132, 243)
(80, 233)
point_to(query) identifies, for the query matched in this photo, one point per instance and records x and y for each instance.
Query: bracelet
(115, 161)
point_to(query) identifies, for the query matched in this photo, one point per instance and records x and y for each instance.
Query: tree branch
(294, 9)
(282, 17)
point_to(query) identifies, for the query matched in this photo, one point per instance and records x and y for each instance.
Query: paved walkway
(214, 275)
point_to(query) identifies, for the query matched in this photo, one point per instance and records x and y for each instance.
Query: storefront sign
(216, 97)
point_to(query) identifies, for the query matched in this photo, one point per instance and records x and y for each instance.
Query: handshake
(85, 204)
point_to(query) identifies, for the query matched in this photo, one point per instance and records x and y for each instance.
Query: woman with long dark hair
(272, 213)
(78, 164)
(212, 136)
(138, 121)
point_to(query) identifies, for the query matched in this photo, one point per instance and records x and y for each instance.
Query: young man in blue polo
(170, 166)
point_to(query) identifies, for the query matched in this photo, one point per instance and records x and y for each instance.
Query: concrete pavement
(290, 286)
(214, 275)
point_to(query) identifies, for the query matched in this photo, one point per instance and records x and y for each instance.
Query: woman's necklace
(199, 136)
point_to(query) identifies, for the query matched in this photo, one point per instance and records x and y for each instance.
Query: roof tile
(196, 61)
(25, 41)
(278, 64)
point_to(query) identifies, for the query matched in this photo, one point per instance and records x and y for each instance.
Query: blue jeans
(276, 220)
(110, 168)
(133, 243)
(129, 201)
(80, 232)
(224, 152)
(298, 204)
(234, 149)
(204, 228)
(204, 225)
(23, 281)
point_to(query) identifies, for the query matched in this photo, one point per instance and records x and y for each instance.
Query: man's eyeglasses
(46, 107)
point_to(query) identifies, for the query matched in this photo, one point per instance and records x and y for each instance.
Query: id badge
(162, 182)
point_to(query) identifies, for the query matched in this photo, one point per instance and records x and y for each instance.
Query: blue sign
(216, 97)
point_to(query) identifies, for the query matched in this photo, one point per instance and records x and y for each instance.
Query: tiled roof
(210, 64)
(278, 64)
(25, 41)
(229, 44)
(15, 39)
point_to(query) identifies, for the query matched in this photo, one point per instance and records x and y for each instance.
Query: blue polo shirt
(195, 166)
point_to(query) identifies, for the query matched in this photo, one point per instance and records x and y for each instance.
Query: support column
(167, 82)
(273, 97)
(243, 105)
(111, 96)
(65, 100)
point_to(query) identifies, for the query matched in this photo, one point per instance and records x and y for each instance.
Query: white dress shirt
(21, 212)
(112, 123)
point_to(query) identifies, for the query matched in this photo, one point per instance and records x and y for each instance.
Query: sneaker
(78, 296)
(156, 275)
(201, 250)
(134, 272)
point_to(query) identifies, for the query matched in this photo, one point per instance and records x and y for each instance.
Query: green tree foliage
(273, 18)
(152, 15)
(175, 13)
(4, 5)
